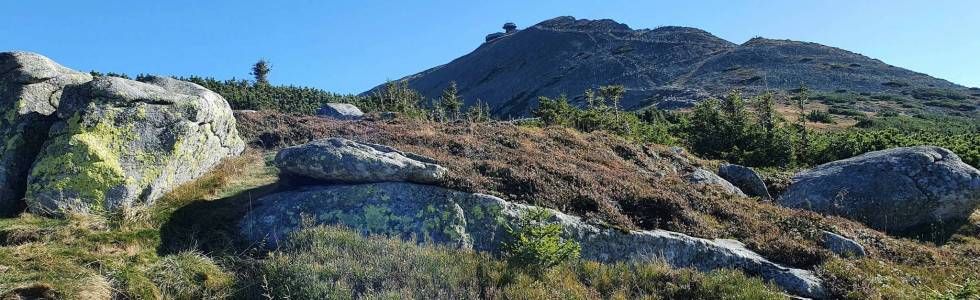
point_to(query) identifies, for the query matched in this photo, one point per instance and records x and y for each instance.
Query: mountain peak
(669, 66)
(571, 23)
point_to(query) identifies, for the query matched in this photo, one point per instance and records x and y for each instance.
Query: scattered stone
(525, 121)
(702, 176)
(340, 111)
(843, 246)
(477, 221)
(121, 144)
(244, 111)
(342, 160)
(745, 179)
(894, 190)
(30, 90)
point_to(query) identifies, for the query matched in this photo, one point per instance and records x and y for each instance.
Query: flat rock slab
(343, 160)
(477, 221)
(893, 190)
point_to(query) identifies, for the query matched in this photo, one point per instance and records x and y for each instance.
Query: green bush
(970, 290)
(820, 116)
(937, 94)
(536, 245)
(836, 145)
(726, 130)
(600, 115)
(843, 111)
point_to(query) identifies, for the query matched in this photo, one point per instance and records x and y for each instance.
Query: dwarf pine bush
(536, 245)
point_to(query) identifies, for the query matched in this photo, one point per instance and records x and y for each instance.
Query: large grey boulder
(477, 221)
(340, 111)
(30, 91)
(705, 177)
(343, 160)
(745, 179)
(122, 144)
(893, 190)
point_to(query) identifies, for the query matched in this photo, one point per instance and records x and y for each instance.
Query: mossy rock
(31, 86)
(121, 144)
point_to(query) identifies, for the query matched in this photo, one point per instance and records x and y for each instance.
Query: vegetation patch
(331, 262)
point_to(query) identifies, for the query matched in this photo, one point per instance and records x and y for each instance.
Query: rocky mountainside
(668, 66)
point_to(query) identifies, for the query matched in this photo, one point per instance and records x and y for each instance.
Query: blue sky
(350, 46)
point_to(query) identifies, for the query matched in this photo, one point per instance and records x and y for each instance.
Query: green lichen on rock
(83, 162)
(424, 213)
(123, 145)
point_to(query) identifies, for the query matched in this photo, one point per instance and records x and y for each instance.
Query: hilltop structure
(509, 28)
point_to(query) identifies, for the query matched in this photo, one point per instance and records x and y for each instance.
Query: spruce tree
(450, 102)
(765, 110)
(261, 71)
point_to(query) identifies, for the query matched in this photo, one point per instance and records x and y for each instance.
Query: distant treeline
(745, 131)
(243, 94)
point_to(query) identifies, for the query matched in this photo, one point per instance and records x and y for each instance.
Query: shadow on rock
(211, 226)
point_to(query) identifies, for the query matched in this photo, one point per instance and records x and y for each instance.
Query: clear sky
(350, 46)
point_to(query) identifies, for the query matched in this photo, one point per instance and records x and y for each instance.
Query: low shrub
(820, 116)
(535, 245)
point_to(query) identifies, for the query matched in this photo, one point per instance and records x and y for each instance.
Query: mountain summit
(667, 66)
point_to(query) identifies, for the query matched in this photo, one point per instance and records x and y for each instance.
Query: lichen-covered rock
(702, 176)
(122, 143)
(476, 221)
(843, 246)
(894, 190)
(30, 90)
(745, 179)
(343, 160)
(340, 111)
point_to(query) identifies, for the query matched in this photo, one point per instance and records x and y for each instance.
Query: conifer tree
(765, 110)
(261, 71)
(450, 102)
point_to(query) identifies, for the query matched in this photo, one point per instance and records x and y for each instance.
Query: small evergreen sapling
(536, 245)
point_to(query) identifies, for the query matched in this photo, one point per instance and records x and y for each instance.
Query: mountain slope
(667, 66)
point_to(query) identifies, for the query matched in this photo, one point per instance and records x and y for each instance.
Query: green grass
(336, 263)
(89, 257)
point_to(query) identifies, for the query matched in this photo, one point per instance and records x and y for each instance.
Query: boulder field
(893, 190)
(104, 144)
(476, 221)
